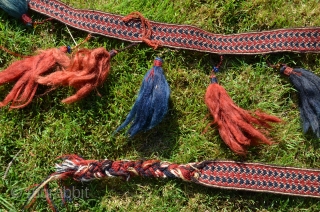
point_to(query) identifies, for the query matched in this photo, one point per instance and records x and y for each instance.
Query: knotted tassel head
(152, 103)
(88, 70)
(235, 125)
(26, 72)
(308, 86)
(17, 9)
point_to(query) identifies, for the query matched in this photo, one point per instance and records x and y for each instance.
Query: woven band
(182, 36)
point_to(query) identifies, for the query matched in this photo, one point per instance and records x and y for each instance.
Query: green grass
(47, 128)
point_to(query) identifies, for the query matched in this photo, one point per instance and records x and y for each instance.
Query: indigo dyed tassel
(308, 86)
(17, 9)
(152, 102)
(234, 123)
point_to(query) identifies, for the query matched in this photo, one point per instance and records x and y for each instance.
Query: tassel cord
(145, 27)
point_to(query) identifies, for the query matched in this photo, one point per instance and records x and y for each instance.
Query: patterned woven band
(259, 177)
(220, 174)
(182, 36)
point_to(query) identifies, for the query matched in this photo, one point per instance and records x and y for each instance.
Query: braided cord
(87, 170)
(220, 174)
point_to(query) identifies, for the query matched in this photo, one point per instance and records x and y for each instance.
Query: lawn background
(47, 128)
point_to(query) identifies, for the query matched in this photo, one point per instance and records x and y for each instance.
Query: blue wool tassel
(308, 86)
(17, 9)
(152, 102)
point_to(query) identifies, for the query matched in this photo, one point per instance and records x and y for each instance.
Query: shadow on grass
(159, 141)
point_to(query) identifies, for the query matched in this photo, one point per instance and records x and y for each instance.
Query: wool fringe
(88, 70)
(85, 71)
(25, 72)
(236, 125)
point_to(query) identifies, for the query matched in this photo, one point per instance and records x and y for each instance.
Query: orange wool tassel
(88, 70)
(234, 123)
(26, 71)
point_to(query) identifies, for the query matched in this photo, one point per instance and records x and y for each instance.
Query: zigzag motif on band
(258, 177)
(220, 174)
(182, 36)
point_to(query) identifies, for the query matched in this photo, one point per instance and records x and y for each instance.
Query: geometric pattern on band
(182, 36)
(222, 174)
(258, 177)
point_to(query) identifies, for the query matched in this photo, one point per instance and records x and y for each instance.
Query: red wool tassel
(26, 72)
(88, 70)
(234, 123)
